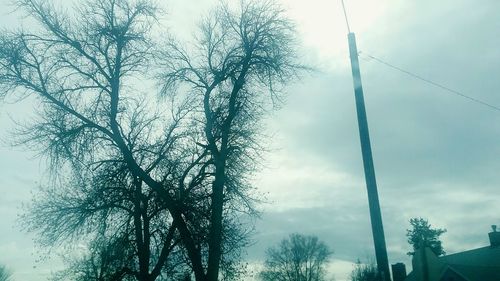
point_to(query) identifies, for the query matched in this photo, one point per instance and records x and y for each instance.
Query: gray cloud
(436, 154)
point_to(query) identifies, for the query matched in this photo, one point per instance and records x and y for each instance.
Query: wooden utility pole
(371, 184)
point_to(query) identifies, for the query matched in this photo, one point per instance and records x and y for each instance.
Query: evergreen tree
(422, 233)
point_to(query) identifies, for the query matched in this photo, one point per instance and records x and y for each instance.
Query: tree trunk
(215, 236)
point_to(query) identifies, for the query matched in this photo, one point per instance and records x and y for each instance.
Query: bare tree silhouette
(297, 258)
(365, 272)
(240, 57)
(5, 273)
(155, 174)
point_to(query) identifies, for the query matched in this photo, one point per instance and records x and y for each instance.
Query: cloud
(436, 154)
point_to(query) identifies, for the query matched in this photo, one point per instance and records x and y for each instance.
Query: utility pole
(371, 184)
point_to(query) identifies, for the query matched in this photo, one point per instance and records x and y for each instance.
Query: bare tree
(5, 273)
(365, 272)
(112, 260)
(131, 233)
(105, 261)
(188, 160)
(297, 258)
(240, 56)
(123, 154)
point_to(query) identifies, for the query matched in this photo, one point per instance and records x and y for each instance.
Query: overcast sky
(436, 154)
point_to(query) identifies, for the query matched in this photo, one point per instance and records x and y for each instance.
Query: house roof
(477, 273)
(485, 256)
(482, 264)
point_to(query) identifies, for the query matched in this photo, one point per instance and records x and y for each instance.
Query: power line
(345, 15)
(455, 92)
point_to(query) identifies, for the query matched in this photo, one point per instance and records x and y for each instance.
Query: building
(482, 264)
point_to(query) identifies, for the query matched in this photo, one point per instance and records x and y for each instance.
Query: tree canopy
(365, 272)
(164, 178)
(5, 273)
(297, 258)
(422, 233)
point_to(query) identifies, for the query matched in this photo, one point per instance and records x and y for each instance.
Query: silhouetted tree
(131, 234)
(5, 273)
(104, 261)
(141, 169)
(112, 260)
(297, 258)
(365, 272)
(422, 233)
(122, 157)
(241, 56)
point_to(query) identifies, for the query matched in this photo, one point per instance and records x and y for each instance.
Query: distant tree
(422, 233)
(365, 272)
(297, 258)
(5, 273)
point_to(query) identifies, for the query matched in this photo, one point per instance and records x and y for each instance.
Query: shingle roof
(482, 264)
(478, 273)
(485, 256)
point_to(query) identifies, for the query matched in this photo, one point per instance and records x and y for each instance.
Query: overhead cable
(416, 76)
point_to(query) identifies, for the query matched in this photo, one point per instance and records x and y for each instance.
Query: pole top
(345, 15)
